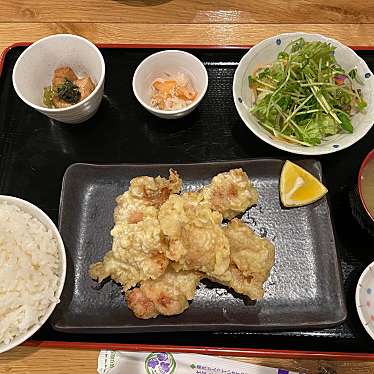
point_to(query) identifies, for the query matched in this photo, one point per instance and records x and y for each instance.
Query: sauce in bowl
(366, 184)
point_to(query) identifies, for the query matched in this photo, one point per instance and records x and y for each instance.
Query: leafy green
(361, 104)
(346, 123)
(354, 76)
(68, 92)
(305, 95)
(48, 94)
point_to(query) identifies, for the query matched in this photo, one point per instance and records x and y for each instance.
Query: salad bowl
(266, 53)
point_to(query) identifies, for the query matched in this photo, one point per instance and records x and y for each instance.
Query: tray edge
(223, 351)
(5, 51)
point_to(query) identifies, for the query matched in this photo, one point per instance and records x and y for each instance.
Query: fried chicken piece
(230, 193)
(155, 191)
(140, 304)
(252, 254)
(168, 295)
(245, 285)
(137, 254)
(144, 236)
(132, 210)
(180, 209)
(129, 273)
(252, 258)
(196, 240)
(144, 197)
(139, 246)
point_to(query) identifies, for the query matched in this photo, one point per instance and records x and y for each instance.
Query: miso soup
(367, 186)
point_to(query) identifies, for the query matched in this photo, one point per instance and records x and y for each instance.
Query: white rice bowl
(33, 267)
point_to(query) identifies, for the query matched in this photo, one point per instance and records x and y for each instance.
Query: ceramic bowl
(368, 158)
(266, 52)
(365, 299)
(34, 211)
(172, 62)
(35, 67)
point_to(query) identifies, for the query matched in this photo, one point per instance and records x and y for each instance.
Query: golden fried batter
(252, 258)
(165, 242)
(252, 254)
(144, 236)
(245, 285)
(168, 295)
(129, 272)
(137, 253)
(138, 249)
(132, 210)
(144, 197)
(230, 193)
(155, 191)
(196, 240)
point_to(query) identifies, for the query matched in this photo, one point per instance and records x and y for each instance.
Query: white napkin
(119, 362)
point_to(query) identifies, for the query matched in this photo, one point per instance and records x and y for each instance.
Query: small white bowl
(172, 62)
(35, 67)
(266, 52)
(365, 299)
(34, 211)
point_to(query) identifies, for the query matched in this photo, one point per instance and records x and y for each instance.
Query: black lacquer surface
(35, 153)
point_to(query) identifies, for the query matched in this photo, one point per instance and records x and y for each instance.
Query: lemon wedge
(298, 187)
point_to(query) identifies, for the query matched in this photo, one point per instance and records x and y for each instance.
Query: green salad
(305, 95)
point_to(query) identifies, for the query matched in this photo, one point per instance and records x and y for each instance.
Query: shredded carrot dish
(173, 93)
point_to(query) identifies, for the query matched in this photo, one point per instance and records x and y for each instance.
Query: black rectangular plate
(35, 152)
(304, 289)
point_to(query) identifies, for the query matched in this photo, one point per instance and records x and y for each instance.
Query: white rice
(29, 268)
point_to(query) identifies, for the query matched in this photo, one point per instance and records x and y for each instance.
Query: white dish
(172, 62)
(266, 52)
(365, 299)
(47, 222)
(35, 67)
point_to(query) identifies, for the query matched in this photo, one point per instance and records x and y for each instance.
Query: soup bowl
(362, 184)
